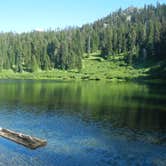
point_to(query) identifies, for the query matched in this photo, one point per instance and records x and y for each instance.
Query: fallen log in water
(26, 140)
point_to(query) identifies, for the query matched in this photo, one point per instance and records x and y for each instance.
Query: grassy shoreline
(112, 75)
(94, 68)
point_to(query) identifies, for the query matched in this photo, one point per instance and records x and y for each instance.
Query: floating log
(25, 140)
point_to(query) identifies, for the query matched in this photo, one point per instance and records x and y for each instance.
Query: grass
(94, 68)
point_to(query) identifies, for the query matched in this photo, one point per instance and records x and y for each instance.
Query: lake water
(85, 123)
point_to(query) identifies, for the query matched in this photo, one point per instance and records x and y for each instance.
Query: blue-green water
(85, 123)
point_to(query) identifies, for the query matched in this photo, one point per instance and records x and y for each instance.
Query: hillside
(126, 40)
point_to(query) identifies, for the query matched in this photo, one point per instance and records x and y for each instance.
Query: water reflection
(123, 104)
(85, 123)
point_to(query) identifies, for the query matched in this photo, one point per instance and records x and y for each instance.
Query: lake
(85, 123)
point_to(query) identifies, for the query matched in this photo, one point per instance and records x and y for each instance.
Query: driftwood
(25, 140)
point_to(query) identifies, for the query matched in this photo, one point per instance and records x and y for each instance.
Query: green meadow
(93, 68)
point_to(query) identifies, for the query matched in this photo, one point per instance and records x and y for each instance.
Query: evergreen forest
(136, 34)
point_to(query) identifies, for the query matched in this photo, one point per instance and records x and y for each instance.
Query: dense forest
(138, 34)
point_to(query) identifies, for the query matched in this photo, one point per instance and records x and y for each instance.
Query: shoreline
(71, 76)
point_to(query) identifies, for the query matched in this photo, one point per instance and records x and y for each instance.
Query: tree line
(40, 50)
(139, 34)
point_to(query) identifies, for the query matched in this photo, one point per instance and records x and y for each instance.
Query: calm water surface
(85, 123)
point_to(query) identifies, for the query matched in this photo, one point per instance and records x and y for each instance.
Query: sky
(27, 15)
